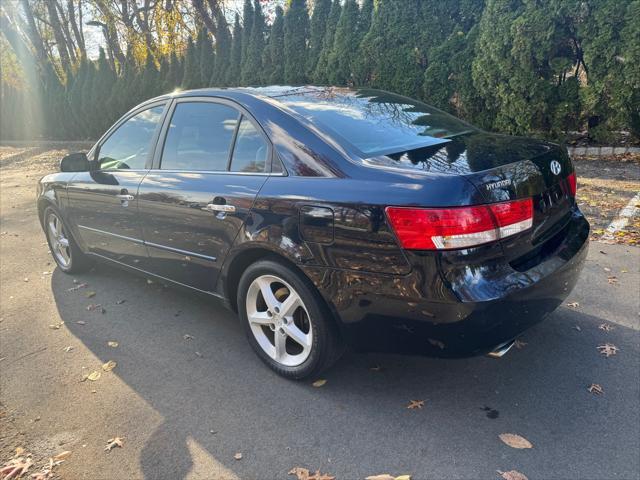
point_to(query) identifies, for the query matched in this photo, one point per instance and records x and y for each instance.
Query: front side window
(250, 152)
(199, 137)
(129, 145)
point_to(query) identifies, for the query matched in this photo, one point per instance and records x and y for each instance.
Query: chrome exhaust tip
(501, 350)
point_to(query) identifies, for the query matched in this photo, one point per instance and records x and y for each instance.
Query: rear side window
(250, 152)
(128, 146)
(199, 137)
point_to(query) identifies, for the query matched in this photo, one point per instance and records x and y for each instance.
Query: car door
(102, 202)
(213, 161)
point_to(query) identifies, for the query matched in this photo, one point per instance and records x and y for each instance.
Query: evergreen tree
(275, 51)
(151, 77)
(345, 46)
(296, 33)
(205, 57)
(252, 67)
(191, 74)
(247, 27)
(104, 81)
(628, 89)
(392, 48)
(364, 20)
(233, 73)
(320, 75)
(173, 77)
(223, 52)
(317, 30)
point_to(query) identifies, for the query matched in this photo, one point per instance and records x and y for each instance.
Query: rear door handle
(125, 197)
(215, 207)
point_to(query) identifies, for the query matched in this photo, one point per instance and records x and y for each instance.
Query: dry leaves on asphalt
(77, 287)
(90, 294)
(113, 443)
(319, 383)
(571, 305)
(238, 456)
(67, 349)
(413, 404)
(608, 349)
(16, 467)
(188, 337)
(596, 389)
(612, 280)
(110, 365)
(386, 476)
(515, 441)
(56, 326)
(513, 475)
(606, 327)
(305, 474)
(112, 344)
(93, 376)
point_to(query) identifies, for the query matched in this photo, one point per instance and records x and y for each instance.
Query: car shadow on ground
(357, 424)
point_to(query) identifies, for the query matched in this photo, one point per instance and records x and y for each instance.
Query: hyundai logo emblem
(555, 167)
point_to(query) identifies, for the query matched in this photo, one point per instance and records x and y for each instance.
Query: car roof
(311, 92)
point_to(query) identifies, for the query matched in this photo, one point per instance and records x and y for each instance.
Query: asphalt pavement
(188, 393)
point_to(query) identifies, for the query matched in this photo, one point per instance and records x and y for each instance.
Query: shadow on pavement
(358, 424)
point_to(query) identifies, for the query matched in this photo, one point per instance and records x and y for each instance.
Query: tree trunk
(59, 36)
(34, 34)
(77, 32)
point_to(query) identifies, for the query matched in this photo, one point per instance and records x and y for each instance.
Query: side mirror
(75, 162)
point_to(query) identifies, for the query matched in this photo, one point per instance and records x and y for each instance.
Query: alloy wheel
(279, 320)
(58, 240)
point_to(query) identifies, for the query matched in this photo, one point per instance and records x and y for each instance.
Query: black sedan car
(328, 217)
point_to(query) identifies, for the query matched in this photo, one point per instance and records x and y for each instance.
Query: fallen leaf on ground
(608, 349)
(300, 473)
(112, 344)
(56, 326)
(577, 328)
(519, 344)
(16, 467)
(19, 452)
(238, 456)
(596, 389)
(120, 302)
(188, 337)
(572, 305)
(91, 307)
(149, 281)
(62, 456)
(77, 287)
(319, 383)
(68, 349)
(110, 365)
(81, 322)
(90, 294)
(513, 475)
(413, 404)
(321, 476)
(606, 327)
(113, 443)
(607, 269)
(515, 441)
(93, 376)
(612, 280)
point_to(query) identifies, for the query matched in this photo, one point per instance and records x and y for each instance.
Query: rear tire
(286, 322)
(64, 249)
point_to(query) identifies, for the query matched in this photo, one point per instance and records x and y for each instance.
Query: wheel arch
(248, 256)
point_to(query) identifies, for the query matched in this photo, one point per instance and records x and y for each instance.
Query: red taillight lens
(459, 227)
(572, 180)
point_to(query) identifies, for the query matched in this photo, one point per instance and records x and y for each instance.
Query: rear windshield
(373, 122)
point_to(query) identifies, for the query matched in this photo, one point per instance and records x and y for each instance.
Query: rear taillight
(459, 227)
(573, 184)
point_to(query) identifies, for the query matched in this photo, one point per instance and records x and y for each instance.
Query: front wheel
(63, 247)
(286, 322)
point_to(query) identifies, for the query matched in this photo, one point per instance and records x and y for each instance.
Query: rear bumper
(453, 308)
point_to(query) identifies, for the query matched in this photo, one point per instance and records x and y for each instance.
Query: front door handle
(125, 197)
(215, 207)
